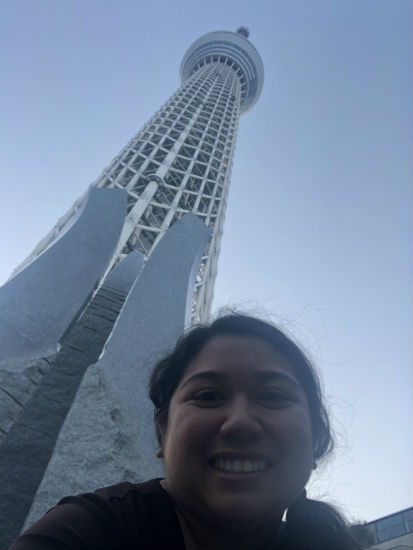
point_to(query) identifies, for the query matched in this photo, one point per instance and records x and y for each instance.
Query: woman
(241, 425)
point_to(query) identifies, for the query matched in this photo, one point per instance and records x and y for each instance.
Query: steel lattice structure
(181, 159)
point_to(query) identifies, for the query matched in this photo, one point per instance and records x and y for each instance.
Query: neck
(200, 536)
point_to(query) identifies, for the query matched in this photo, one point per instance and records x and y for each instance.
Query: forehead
(239, 356)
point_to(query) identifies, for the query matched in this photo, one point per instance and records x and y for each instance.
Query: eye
(208, 397)
(274, 397)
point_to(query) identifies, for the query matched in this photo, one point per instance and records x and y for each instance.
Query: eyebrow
(260, 376)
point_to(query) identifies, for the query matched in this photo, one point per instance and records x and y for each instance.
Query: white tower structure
(180, 161)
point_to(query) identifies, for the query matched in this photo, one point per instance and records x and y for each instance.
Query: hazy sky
(318, 225)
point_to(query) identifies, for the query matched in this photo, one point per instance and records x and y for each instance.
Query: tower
(180, 161)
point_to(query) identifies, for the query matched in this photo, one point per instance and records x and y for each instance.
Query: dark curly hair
(310, 524)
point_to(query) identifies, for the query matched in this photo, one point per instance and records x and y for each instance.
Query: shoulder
(124, 515)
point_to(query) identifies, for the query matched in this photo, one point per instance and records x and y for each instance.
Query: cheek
(188, 431)
(293, 454)
(295, 434)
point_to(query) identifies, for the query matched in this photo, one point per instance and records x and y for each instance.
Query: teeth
(238, 465)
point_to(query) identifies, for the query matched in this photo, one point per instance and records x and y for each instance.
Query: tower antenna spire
(243, 31)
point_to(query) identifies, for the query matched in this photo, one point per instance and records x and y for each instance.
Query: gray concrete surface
(39, 303)
(108, 435)
(39, 399)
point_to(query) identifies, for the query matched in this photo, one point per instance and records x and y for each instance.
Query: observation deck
(233, 49)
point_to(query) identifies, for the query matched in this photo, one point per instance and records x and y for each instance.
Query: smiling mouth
(238, 466)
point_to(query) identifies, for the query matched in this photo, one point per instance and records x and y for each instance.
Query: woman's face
(238, 445)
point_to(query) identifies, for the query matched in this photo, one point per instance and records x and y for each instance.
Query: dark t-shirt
(123, 516)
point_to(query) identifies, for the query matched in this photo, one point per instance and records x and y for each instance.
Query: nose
(240, 422)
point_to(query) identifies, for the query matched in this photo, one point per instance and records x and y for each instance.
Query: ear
(160, 437)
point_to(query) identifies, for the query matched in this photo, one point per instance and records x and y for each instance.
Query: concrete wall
(108, 435)
(52, 384)
(40, 302)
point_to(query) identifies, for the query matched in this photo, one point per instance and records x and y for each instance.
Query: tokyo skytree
(180, 161)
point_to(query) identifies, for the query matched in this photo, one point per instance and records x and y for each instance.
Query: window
(390, 527)
(408, 516)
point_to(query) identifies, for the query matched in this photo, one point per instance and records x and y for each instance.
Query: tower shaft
(179, 162)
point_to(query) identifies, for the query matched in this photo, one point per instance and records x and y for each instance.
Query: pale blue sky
(318, 225)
